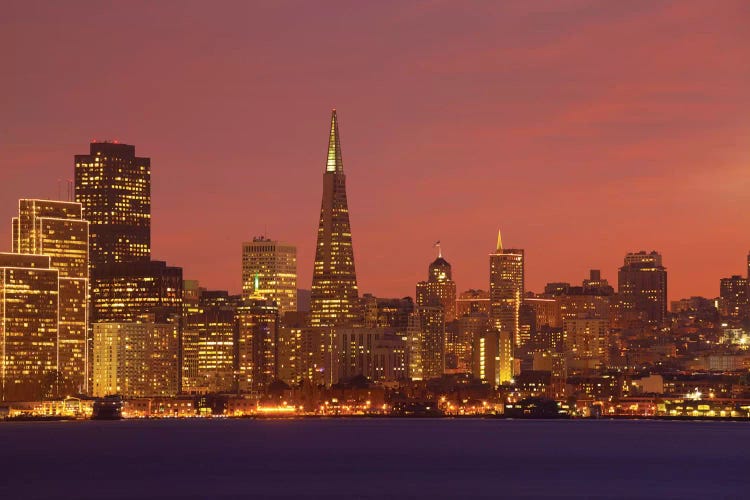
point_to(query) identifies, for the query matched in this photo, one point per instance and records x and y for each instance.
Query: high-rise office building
(642, 287)
(257, 340)
(506, 288)
(431, 341)
(733, 293)
(208, 339)
(114, 187)
(136, 359)
(439, 289)
(56, 229)
(124, 292)
(334, 296)
(29, 292)
(269, 270)
(506, 297)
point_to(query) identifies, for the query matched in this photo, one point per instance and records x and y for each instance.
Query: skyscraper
(436, 305)
(334, 295)
(28, 327)
(439, 289)
(269, 270)
(57, 229)
(506, 296)
(114, 187)
(734, 297)
(506, 288)
(258, 321)
(642, 286)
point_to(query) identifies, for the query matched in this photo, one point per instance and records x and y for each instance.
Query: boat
(107, 408)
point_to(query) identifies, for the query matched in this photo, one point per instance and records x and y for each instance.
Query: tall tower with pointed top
(334, 297)
(506, 297)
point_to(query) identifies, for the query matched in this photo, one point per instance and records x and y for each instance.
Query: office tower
(269, 270)
(56, 229)
(473, 301)
(208, 340)
(642, 288)
(379, 354)
(486, 357)
(431, 341)
(734, 297)
(468, 327)
(114, 187)
(136, 359)
(28, 327)
(258, 323)
(333, 300)
(506, 288)
(123, 292)
(439, 289)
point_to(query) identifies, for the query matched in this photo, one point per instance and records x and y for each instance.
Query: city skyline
(658, 137)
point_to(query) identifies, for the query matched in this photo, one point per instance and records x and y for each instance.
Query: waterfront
(373, 458)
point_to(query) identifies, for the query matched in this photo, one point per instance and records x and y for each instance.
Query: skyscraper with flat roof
(269, 270)
(29, 293)
(642, 285)
(56, 229)
(334, 295)
(114, 188)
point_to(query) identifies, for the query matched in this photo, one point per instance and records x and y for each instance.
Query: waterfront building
(29, 302)
(269, 270)
(208, 340)
(136, 359)
(642, 288)
(334, 295)
(56, 229)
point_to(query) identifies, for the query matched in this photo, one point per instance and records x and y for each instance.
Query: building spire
(334, 162)
(499, 242)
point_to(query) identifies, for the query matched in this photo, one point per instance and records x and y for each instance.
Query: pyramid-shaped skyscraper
(334, 296)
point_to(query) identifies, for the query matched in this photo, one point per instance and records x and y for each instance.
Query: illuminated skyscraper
(269, 270)
(734, 297)
(28, 327)
(208, 340)
(642, 285)
(439, 289)
(256, 344)
(506, 296)
(506, 288)
(56, 229)
(114, 187)
(334, 295)
(124, 292)
(136, 359)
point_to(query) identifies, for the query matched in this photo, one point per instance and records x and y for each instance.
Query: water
(374, 458)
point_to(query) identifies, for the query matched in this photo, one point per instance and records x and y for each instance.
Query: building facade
(57, 229)
(642, 288)
(29, 301)
(269, 270)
